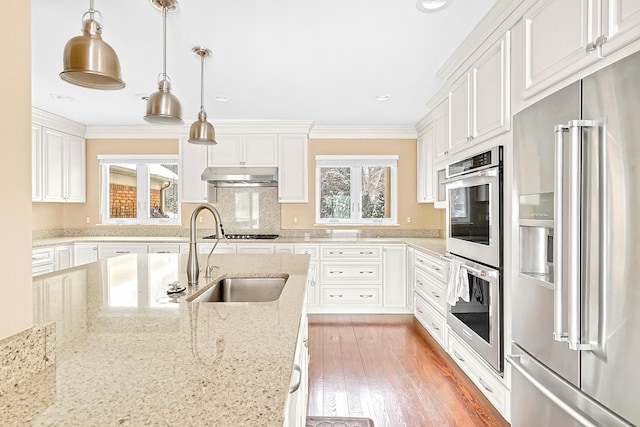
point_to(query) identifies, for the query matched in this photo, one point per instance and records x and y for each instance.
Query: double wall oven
(474, 239)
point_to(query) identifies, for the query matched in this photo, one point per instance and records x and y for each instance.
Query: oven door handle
(478, 174)
(478, 272)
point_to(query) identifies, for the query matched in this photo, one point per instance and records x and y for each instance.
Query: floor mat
(338, 422)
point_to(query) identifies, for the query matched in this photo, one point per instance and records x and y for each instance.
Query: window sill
(356, 224)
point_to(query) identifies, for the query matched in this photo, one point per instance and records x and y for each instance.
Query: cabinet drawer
(42, 269)
(434, 322)
(108, 251)
(432, 265)
(480, 373)
(359, 273)
(308, 249)
(42, 256)
(254, 248)
(336, 295)
(351, 252)
(432, 291)
(222, 248)
(167, 248)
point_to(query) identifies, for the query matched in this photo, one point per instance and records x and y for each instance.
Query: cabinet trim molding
(53, 121)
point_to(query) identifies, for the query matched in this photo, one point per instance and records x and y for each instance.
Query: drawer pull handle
(486, 387)
(163, 252)
(335, 253)
(366, 253)
(435, 295)
(460, 358)
(419, 283)
(435, 326)
(122, 252)
(366, 295)
(436, 268)
(336, 272)
(420, 261)
(335, 295)
(420, 310)
(366, 272)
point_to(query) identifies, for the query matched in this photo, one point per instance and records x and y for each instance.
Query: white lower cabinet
(164, 248)
(43, 260)
(84, 253)
(432, 320)
(64, 257)
(313, 293)
(222, 248)
(295, 412)
(255, 248)
(356, 297)
(480, 373)
(394, 283)
(109, 250)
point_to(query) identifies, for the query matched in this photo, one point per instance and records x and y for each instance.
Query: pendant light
(163, 107)
(88, 60)
(201, 131)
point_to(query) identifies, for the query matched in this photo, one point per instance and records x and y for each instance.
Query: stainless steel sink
(243, 289)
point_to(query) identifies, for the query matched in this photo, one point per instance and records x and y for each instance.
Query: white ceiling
(323, 60)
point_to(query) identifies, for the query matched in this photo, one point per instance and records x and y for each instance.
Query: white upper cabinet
(440, 115)
(292, 169)
(193, 160)
(479, 106)
(562, 37)
(425, 166)
(63, 167)
(244, 150)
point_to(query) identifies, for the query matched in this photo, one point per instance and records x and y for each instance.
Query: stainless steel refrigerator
(575, 354)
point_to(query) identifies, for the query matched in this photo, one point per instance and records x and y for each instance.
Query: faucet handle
(209, 272)
(175, 288)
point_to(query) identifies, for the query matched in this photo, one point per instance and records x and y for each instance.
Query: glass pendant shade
(163, 107)
(89, 61)
(201, 131)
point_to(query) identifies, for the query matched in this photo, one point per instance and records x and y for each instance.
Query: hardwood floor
(381, 367)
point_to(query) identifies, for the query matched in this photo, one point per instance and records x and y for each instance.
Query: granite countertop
(436, 246)
(125, 353)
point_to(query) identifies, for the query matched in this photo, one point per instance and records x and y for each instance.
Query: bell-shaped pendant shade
(89, 61)
(201, 131)
(163, 107)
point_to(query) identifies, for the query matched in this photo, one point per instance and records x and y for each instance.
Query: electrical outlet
(87, 220)
(295, 219)
(408, 220)
(200, 219)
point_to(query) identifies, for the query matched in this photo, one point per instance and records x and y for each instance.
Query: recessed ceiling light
(60, 97)
(432, 5)
(222, 98)
(144, 97)
(383, 98)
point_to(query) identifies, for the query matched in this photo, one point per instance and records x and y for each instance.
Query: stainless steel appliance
(576, 300)
(479, 321)
(474, 212)
(237, 236)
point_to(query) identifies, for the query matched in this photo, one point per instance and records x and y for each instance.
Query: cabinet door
(491, 102)
(292, 169)
(425, 166)
(227, 152)
(84, 253)
(394, 283)
(36, 163)
(621, 24)
(440, 191)
(64, 257)
(74, 169)
(557, 33)
(460, 112)
(193, 160)
(260, 150)
(441, 130)
(52, 165)
(313, 293)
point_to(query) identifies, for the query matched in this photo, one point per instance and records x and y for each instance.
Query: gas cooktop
(246, 236)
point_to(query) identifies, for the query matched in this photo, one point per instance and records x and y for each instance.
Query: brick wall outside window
(123, 201)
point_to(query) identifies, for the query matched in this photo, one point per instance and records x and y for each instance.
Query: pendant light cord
(164, 42)
(202, 82)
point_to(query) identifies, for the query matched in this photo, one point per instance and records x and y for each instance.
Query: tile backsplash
(249, 210)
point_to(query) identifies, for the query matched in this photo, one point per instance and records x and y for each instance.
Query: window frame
(356, 163)
(142, 163)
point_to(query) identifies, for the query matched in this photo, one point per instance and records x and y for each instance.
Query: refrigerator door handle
(558, 304)
(515, 362)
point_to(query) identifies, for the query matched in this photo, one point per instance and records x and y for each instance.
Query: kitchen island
(126, 353)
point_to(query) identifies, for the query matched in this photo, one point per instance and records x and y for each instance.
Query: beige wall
(47, 216)
(423, 216)
(75, 215)
(16, 312)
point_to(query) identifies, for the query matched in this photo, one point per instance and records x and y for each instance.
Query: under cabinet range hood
(241, 176)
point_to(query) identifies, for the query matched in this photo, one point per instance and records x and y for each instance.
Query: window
(139, 189)
(356, 189)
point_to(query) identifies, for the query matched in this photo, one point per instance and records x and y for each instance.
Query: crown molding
(363, 132)
(150, 131)
(500, 18)
(53, 121)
